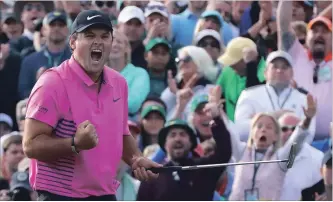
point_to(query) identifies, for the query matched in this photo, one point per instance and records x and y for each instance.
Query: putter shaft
(229, 164)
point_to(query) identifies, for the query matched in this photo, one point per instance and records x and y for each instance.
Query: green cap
(176, 123)
(197, 100)
(157, 41)
(153, 108)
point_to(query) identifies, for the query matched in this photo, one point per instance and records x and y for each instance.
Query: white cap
(6, 119)
(129, 13)
(207, 32)
(279, 54)
(4, 138)
(156, 7)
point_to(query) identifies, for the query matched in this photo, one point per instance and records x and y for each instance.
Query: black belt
(47, 196)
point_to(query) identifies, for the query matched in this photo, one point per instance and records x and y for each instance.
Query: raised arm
(221, 136)
(327, 12)
(301, 132)
(243, 114)
(286, 36)
(237, 145)
(211, 5)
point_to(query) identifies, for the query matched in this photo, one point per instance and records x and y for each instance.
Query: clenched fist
(85, 136)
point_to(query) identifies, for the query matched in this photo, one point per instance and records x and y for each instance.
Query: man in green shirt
(243, 68)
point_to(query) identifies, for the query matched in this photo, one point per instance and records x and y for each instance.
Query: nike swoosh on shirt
(92, 17)
(115, 100)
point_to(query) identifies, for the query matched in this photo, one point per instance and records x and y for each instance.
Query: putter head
(292, 156)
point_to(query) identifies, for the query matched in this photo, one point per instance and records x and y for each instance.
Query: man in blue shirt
(56, 50)
(183, 24)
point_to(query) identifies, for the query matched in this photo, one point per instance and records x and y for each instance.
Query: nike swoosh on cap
(92, 17)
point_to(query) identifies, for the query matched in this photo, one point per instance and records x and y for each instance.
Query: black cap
(89, 18)
(55, 15)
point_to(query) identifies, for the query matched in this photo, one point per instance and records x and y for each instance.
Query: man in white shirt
(275, 96)
(305, 173)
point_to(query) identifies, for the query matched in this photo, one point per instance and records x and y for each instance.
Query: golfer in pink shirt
(76, 126)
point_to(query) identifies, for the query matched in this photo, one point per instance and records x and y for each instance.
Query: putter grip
(165, 169)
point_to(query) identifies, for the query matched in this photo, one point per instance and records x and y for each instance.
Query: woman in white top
(264, 181)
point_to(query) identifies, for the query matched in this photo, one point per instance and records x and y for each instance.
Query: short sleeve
(125, 115)
(42, 104)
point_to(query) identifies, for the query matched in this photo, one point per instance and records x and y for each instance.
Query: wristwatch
(74, 147)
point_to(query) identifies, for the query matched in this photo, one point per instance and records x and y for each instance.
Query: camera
(19, 194)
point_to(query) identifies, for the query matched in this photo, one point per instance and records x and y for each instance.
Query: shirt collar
(188, 14)
(284, 93)
(126, 69)
(28, 34)
(76, 67)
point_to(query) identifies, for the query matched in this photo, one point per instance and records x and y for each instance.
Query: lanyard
(256, 168)
(53, 62)
(271, 100)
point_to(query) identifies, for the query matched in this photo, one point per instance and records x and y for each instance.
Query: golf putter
(290, 162)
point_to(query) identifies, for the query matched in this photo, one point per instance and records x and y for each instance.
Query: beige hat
(234, 50)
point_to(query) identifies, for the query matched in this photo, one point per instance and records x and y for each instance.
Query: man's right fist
(85, 136)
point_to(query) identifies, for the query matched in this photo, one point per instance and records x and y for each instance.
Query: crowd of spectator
(267, 64)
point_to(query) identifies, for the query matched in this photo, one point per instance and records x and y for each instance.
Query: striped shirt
(64, 104)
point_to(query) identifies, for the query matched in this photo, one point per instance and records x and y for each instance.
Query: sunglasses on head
(185, 60)
(213, 44)
(287, 128)
(29, 7)
(108, 4)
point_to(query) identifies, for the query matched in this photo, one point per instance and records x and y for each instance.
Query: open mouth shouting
(263, 139)
(205, 124)
(178, 147)
(96, 56)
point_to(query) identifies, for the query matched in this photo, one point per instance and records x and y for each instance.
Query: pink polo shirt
(303, 74)
(92, 172)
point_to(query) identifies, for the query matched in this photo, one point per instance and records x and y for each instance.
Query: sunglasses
(287, 128)
(184, 60)
(108, 4)
(213, 44)
(302, 41)
(315, 74)
(156, 7)
(29, 7)
(22, 118)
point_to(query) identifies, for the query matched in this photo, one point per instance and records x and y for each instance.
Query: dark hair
(155, 99)
(14, 139)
